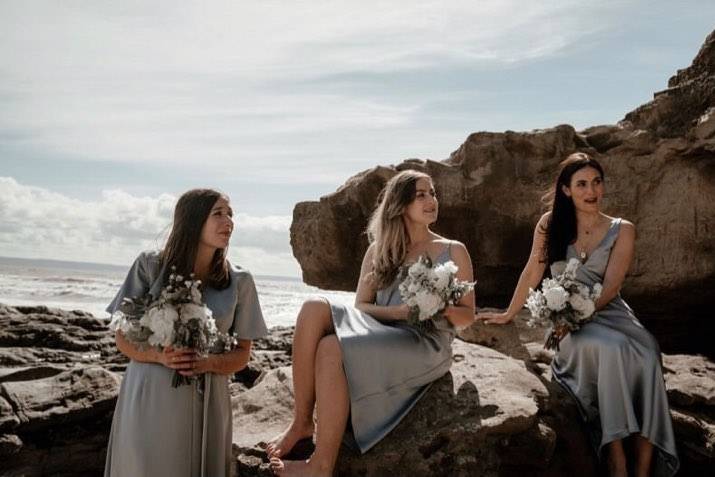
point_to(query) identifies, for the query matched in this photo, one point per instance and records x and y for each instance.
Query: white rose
(429, 304)
(192, 311)
(160, 320)
(582, 305)
(556, 298)
(443, 272)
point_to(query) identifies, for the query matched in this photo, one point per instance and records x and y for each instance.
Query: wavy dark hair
(190, 214)
(560, 228)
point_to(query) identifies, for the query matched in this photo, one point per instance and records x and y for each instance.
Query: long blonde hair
(387, 230)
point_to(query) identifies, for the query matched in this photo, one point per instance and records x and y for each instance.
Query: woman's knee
(315, 306)
(314, 309)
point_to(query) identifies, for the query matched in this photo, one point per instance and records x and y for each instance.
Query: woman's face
(424, 207)
(219, 225)
(586, 189)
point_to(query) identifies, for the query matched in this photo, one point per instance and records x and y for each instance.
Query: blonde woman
(366, 361)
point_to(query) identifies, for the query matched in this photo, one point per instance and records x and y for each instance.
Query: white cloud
(38, 223)
(243, 82)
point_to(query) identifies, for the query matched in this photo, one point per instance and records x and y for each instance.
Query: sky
(110, 110)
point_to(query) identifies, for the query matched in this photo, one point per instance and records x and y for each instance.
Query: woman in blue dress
(611, 366)
(158, 430)
(366, 361)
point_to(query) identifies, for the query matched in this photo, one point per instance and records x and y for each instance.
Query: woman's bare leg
(333, 407)
(644, 455)
(617, 459)
(313, 323)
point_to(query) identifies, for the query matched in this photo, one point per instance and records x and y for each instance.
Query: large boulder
(488, 416)
(660, 174)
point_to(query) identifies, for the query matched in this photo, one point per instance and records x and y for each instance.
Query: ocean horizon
(89, 287)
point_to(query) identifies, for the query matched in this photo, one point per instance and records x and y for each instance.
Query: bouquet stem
(179, 380)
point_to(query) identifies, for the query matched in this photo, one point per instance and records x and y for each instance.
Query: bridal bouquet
(428, 289)
(562, 302)
(177, 318)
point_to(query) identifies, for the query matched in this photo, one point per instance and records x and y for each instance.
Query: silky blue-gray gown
(389, 365)
(612, 367)
(160, 431)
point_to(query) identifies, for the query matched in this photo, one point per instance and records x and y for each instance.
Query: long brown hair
(561, 228)
(387, 229)
(190, 214)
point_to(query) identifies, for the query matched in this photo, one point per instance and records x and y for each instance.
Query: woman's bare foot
(283, 443)
(298, 468)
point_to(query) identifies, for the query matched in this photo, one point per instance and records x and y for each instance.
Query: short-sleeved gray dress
(389, 365)
(612, 367)
(160, 431)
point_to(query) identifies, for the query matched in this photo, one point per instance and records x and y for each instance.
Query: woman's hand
(178, 359)
(200, 365)
(402, 312)
(492, 318)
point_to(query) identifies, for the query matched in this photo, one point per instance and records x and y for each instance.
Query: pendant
(583, 256)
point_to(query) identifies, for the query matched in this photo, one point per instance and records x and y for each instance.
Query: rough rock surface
(57, 391)
(483, 418)
(660, 174)
(57, 398)
(690, 381)
(59, 380)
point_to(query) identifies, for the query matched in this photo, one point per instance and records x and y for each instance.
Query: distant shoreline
(98, 267)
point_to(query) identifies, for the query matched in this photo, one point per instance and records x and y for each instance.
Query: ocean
(91, 286)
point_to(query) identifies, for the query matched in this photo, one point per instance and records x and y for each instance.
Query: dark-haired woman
(159, 430)
(366, 361)
(612, 365)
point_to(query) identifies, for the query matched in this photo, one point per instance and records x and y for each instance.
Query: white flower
(583, 305)
(160, 320)
(535, 302)
(443, 273)
(195, 292)
(429, 304)
(596, 292)
(211, 325)
(121, 322)
(571, 268)
(192, 311)
(556, 298)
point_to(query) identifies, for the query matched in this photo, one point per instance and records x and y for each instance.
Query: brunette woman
(159, 430)
(612, 366)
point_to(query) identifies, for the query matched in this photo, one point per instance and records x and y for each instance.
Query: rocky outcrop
(58, 386)
(482, 418)
(660, 174)
(677, 110)
(60, 373)
(497, 411)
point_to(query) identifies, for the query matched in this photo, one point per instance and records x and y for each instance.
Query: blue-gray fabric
(389, 364)
(161, 431)
(612, 367)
